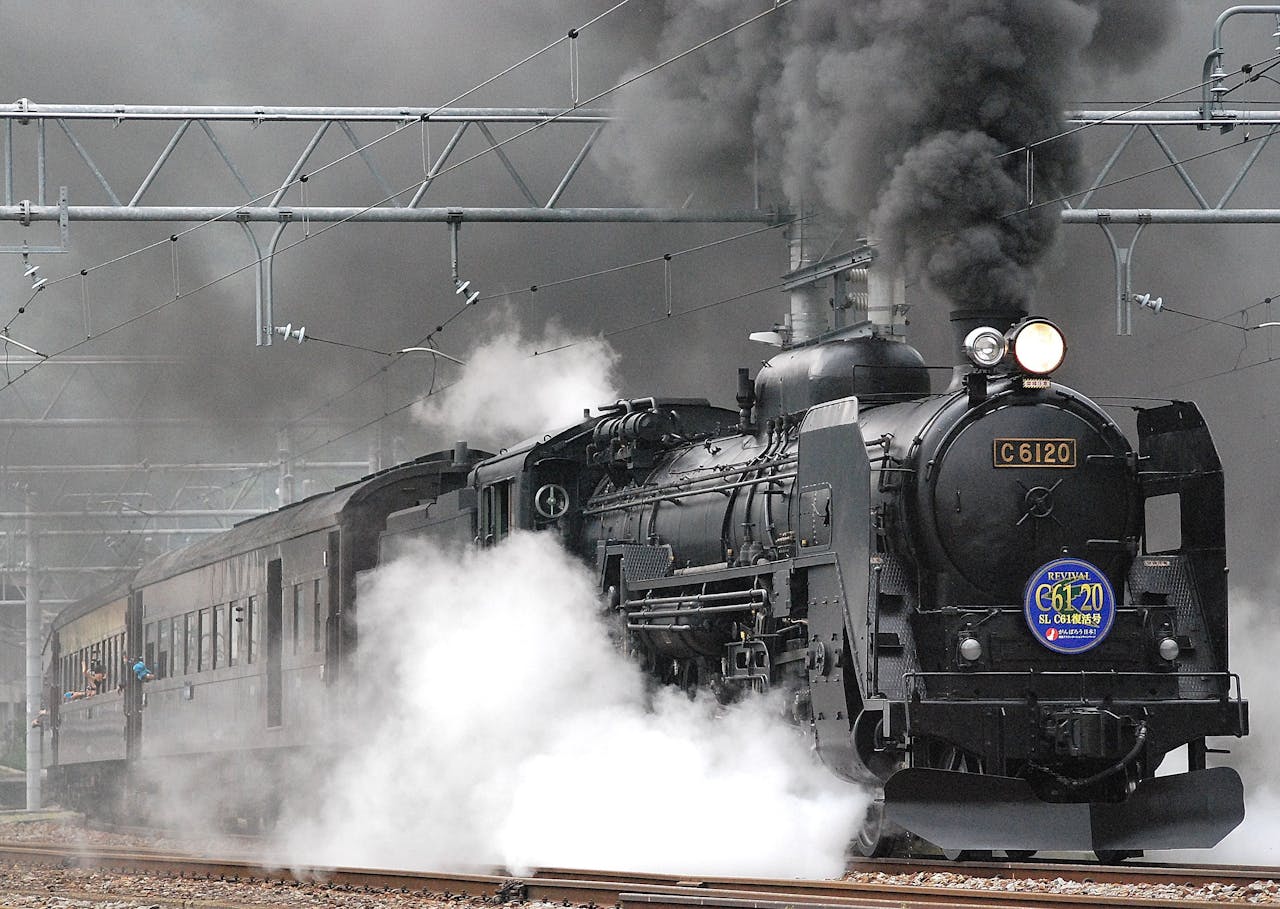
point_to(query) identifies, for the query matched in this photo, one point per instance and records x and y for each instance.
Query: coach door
(132, 687)
(275, 622)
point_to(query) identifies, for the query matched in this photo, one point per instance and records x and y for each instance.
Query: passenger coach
(247, 634)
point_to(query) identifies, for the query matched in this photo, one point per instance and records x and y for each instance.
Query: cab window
(496, 512)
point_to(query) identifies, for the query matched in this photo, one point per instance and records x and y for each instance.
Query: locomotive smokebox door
(1014, 486)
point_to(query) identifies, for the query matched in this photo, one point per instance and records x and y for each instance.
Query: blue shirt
(141, 671)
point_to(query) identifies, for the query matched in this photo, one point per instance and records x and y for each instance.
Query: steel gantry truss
(280, 197)
(1256, 127)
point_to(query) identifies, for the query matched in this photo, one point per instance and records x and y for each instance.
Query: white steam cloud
(506, 390)
(503, 726)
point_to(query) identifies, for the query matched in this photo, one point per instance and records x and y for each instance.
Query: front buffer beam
(971, 811)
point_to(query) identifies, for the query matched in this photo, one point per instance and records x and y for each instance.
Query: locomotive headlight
(970, 649)
(1168, 649)
(1038, 346)
(985, 346)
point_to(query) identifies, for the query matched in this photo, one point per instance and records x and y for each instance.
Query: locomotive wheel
(1116, 856)
(967, 855)
(877, 837)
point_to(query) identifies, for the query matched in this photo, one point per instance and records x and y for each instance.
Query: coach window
(221, 628)
(317, 616)
(218, 629)
(162, 650)
(296, 624)
(250, 620)
(177, 645)
(227, 631)
(206, 641)
(149, 644)
(233, 632)
(192, 664)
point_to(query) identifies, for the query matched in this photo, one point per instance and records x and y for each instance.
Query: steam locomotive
(957, 591)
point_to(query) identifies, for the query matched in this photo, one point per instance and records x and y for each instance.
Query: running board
(970, 811)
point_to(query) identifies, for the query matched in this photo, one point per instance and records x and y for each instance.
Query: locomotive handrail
(754, 598)
(671, 496)
(626, 494)
(691, 611)
(730, 470)
(753, 594)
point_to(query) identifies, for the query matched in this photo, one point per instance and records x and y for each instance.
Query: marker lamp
(985, 347)
(1038, 346)
(970, 649)
(1169, 649)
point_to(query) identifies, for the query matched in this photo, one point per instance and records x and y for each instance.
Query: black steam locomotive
(956, 591)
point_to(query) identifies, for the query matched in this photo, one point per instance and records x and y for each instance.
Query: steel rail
(671, 891)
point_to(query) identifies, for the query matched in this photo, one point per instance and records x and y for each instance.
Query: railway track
(906, 885)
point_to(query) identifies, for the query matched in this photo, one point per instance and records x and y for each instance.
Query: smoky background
(387, 287)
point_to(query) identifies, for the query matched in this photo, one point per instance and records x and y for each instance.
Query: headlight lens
(1169, 649)
(985, 346)
(970, 649)
(1038, 346)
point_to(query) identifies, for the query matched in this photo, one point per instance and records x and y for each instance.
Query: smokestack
(965, 320)
(886, 296)
(808, 316)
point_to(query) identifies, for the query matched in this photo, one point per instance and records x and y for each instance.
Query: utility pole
(35, 735)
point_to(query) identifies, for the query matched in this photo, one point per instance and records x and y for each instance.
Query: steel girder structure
(284, 200)
(1257, 127)
(1079, 208)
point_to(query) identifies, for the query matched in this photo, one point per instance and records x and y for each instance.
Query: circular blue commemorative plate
(1069, 605)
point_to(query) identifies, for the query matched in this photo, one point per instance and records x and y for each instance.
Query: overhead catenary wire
(493, 148)
(546, 285)
(1245, 68)
(935, 237)
(1022, 210)
(302, 179)
(433, 390)
(1032, 146)
(427, 339)
(550, 119)
(630, 328)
